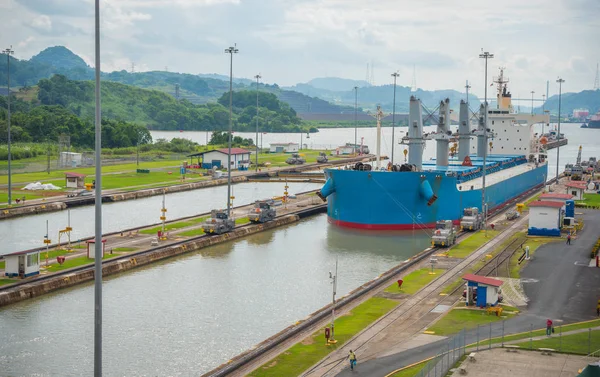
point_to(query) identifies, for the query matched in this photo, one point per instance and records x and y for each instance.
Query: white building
(283, 148)
(22, 263)
(349, 149)
(545, 218)
(240, 158)
(576, 189)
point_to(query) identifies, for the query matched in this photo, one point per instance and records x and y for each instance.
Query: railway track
(355, 345)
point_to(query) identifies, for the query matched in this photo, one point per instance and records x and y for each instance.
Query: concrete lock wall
(31, 210)
(134, 260)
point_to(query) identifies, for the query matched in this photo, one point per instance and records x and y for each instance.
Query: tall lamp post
(257, 77)
(560, 82)
(98, 209)
(395, 76)
(334, 286)
(355, 113)
(230, 51)
(485, 55)
(532, 92)
(9, 51)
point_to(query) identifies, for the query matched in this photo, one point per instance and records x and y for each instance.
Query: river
(187, 315)
(133, 213)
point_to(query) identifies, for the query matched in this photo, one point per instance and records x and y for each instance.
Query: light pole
(9, 51)
(334, 286)
(257, 77)
(395, 75)
(485, 55)
(560, 82)
(355, 119)
(532, 92)
(230, 51)
(98, 210)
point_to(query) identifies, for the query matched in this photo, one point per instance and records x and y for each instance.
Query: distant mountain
(60, 57)
(336, 84)
(588, 99)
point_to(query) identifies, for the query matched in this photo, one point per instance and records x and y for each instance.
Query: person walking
(549, 327)
(352, 358)
(569, 239)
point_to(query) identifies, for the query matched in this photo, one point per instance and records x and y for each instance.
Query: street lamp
(230, 51)
(98, 206)
(560, 82)
(532, 92)
(9, 51)
(485, 55)
(257, 77)
(334, 286)
(355, 113)
(395, 75)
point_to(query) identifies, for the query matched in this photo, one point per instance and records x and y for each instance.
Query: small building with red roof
(75, 180)
(482, 291)
(240, 158)
(556, 197)
(545, 217)
(576, 188)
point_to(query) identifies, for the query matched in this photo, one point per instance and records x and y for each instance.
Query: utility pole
(532, 92)
(230, 51)
(9, 51)
(334, 286)
(485, 55)
(257, 77)
(543, 110)
(98, 212)
(560, 82)
(395, 76)
(355, 114)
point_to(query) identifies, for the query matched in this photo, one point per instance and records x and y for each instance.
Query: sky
(292, 41)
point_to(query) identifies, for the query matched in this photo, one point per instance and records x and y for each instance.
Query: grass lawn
(590, 199)
(533, 243)
(8, 281)
(59, 175)
(574, 343)
(414, 281)
(457, 319)
(174, 226)
(74, 262)
(472, 243)
(124, 249)
(2, 265)
(192, 233)
(115, 181)
(410, 371)
(302, 355)
(539, 332)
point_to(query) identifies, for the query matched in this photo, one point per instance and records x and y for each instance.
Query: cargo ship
(418, 193)
(594, 121)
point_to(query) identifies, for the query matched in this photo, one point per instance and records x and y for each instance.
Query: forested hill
(198, 89)
(160, 111)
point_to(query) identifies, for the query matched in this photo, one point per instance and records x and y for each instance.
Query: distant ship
(419, 193)
(594, 121)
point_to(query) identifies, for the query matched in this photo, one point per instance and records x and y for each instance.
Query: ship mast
(379, 116)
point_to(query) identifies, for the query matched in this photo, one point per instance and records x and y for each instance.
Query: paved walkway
(498, 362)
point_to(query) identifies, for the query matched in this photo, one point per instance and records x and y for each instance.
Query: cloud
(78, 8)
(42, 23)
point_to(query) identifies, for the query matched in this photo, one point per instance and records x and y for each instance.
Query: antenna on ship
(413, 85)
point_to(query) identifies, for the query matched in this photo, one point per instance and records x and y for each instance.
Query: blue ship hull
(407, 200)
